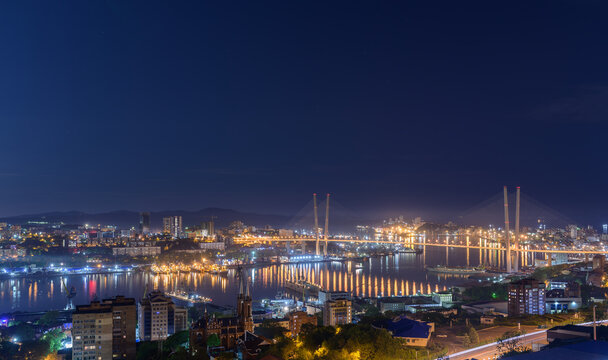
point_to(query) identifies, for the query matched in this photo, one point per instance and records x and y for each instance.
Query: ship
(455, 270)
(222, 271)
(192, 298)
(410, 251)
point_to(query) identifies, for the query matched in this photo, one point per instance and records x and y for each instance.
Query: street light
(594, 330)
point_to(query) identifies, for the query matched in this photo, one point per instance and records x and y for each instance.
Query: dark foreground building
(105, 330)
(587, 350)
(124, 323)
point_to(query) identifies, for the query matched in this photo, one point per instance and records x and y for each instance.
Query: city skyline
(303, 180)
(486, 213)
(394, 108)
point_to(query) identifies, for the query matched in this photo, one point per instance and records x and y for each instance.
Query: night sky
(391, 107)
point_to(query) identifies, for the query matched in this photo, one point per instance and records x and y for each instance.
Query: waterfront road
(490, 351)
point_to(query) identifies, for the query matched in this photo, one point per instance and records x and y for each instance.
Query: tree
(359, 341)
(180, 354)
(54, 339)
(33, 350)
(510, 343)
(544, 273)
(271, 329)
(194, 313)
(473, 335)
(49, 318)
(8, 350)
(21, 332)
(200, 355)
(435, 317)
(225, 356)
(315, 338)
(284, 348)
(306, 329)
(213, 341)
(466, 341)
(147, 350)
(352, 341)
(174, 341)
(372, 311)
(490, 292)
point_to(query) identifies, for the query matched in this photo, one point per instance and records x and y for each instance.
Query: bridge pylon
(507, 235)
(512, 255)
(516, 258)
(314, 200)
(326, 232)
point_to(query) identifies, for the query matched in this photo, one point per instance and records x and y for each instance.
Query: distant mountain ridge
(126, 219)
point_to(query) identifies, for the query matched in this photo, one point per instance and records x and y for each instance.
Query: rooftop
(93, 307)
(588, 350)
(405, 328)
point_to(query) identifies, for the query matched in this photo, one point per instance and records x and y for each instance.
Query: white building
(172, 225)
(333, 295)
(136, 251)
(159, 317)
(443, 298)
(212, 246)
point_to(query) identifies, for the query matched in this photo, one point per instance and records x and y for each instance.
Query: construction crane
(69, 293)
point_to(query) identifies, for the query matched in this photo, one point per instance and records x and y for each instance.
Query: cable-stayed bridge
(509, 239)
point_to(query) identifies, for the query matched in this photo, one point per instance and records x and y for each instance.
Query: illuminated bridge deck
(409, 243)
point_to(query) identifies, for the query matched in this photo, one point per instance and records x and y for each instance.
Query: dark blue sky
(255, 105)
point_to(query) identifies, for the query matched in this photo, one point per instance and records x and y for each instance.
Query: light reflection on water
(396, 275)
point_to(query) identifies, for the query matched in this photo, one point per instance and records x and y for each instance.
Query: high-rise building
(172, 225)
(159, 317)
(526, 296)
(209, 226)
(144, 223)
(105, 330)
(92, 332)
(204, 230)
(167, 225)
(124, 324)
(573, 229)
(337, 312)
(299, 318)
